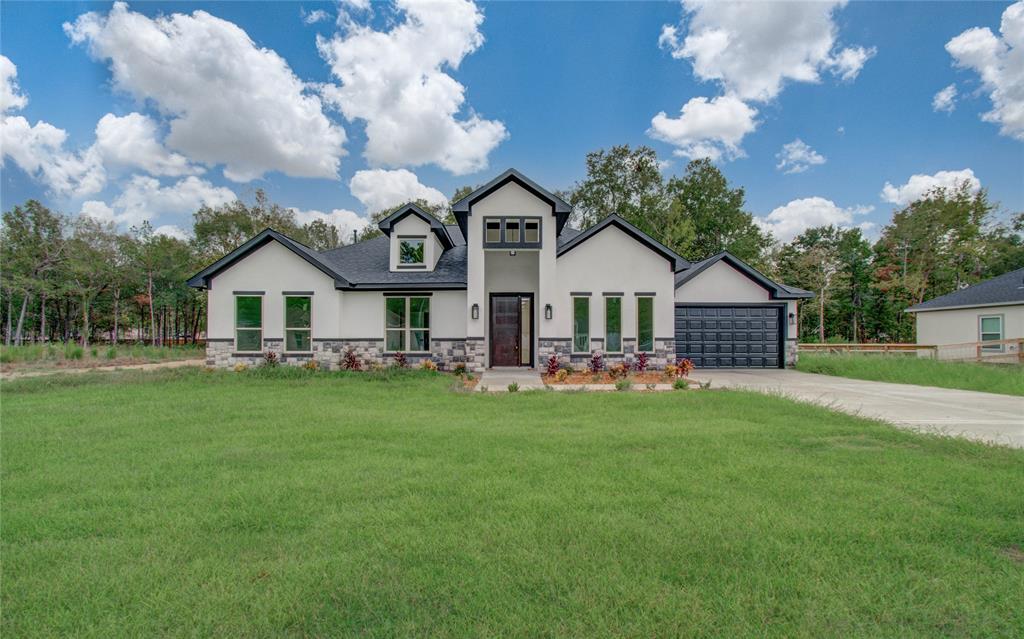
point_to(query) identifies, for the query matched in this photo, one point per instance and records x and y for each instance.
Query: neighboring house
(990, 311)
(509, 285)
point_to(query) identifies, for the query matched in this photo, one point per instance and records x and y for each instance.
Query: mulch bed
(586, 377)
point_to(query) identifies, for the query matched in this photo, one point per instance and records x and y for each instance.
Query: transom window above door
(512, 232)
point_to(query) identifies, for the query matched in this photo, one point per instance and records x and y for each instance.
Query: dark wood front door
(511, 334)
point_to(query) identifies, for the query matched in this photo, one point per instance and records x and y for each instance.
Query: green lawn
(1006, 379)
(35, 357)
(218, 504)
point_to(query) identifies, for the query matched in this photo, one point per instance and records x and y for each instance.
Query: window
(531, 232)
(990, 329)
(493, 234)
(298, 318)
(407, 324)
(512, 231)
(613, 324)
(410, 251)
(248, 323)
(645, 324)
(581, 324)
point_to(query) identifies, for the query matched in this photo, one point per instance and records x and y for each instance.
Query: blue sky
(541, 85)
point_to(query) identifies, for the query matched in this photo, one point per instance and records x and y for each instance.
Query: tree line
(82, 279)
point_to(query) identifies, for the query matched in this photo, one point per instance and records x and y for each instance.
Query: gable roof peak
(436, 226)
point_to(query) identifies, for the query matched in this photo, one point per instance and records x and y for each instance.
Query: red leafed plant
(401, 361)
(350, 362)
(596, 364)
(552, 366)
(684, 367)
(641, 362)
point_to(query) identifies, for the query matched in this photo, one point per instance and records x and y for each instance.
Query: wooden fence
(1005, 351)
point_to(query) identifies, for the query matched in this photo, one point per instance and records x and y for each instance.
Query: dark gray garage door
(729, 336)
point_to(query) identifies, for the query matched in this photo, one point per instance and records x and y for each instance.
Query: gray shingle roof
(366, 265)
(1007, 288)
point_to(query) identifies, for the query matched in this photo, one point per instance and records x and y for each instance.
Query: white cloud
(797, 157)
(228, 100)
(379, 189)
(170, 230)
(841, 130)
(11, 98)
(753, 48)
(395, 81)
(790, 220)
(314, 16)
(999, 62)
(344, 220)
(945, 100)
(919, 184)
(131, 141)
(39, 148)
(706, 128)
(144, 199)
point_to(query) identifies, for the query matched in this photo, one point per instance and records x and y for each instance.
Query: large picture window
(990, 329)
(645, 324)
(298, 322)
(407, 324)
(613, 324)
(410, 251)
(581, 324)
(248, 323)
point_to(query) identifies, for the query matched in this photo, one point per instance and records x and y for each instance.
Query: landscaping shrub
(270, 359)
(400, 360)
(680, 384)
(349, 361)
(623, 385)
(670, 370)
(641, 363)
(618, 371)
(240, 367)
(513, 387)
(552, 366)
(684, 367)
(428, 365)
(311, 365)
(459, 370)
(561, 375)
(596, 364)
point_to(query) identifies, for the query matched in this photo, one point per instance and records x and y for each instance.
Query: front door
(511, 335)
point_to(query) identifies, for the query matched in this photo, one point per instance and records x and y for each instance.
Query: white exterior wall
(362, 314)
(412, 225)
(614, 262)
(961, 325)
(720, 283)
(273, 269)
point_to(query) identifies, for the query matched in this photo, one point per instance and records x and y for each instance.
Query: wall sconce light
(792, 319)
(475, 311)
(511, 253)
(548, 311)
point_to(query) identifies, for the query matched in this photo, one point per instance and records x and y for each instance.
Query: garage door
(729, 336)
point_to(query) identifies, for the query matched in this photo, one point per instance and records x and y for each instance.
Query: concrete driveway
(981, 416)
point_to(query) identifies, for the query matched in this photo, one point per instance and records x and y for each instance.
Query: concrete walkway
(980, 416)
(498, 379)
(177, 363)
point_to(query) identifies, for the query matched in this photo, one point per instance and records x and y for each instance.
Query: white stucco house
(509, 285)
(989, 311)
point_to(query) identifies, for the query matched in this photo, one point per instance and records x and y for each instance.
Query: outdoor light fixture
(547, 311)
(475, 312)
(792, 318)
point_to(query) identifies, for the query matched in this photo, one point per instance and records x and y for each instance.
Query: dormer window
(512, 232)
(410, 252)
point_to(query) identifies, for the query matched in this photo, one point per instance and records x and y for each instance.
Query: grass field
(71, 355)
(1006, 379)
(216, 504)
